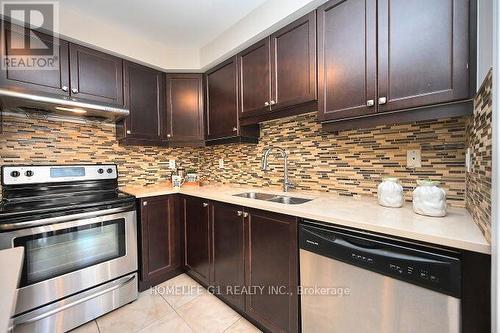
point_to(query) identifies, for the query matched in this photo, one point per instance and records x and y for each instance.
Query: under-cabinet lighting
(70, 109)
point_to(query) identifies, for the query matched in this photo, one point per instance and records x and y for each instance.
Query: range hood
(60, 105)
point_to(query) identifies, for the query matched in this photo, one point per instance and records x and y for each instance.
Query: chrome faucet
(265, 165)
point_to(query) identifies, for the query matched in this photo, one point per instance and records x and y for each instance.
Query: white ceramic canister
(429, 199)
(390, 193)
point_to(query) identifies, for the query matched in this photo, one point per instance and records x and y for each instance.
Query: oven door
(64, 258)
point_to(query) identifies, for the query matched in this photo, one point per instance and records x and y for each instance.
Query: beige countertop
(12, 263)
(456, 229)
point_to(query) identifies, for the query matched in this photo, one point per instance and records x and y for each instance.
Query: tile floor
(179, 305)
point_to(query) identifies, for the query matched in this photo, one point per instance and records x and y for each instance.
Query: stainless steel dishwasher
(358, 282)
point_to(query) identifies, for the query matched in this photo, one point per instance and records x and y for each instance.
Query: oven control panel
(38, 174)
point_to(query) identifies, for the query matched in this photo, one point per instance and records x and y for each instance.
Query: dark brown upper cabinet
(159, 240)
(279, 72)
(55, 81)
(82, 73)
(423, 52)
(145, 98)
(293, 64)
(254, 70)
(95, 76)
(272, 262)
(222, 106)
(347, 59)
(228, 270)
(392, 55)
(222, 101)
(195, 213)
(185, 123)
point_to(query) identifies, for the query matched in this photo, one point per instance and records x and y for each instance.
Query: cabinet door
(54, 81)
(347, 65)
(293, 65)
(255, 78)
(196, 221)
(222, 101)
(144, 97)
(227, 254)
(160, 256)
(423, 52)
(271, 262)
(95, 76)
(185, 108)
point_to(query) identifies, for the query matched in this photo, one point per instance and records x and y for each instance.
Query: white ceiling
(181, 24)
(176, 35)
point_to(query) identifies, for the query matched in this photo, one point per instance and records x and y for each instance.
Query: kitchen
(245, 166)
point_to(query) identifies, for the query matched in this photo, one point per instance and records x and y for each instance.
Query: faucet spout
(265, 165)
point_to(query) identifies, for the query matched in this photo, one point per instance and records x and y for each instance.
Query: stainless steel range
(80, 239)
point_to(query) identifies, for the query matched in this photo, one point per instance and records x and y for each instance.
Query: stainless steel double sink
(283, 199)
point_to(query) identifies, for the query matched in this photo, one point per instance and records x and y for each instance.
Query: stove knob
(15, 174)
(100, 171)
(110, 170)
(29, 173)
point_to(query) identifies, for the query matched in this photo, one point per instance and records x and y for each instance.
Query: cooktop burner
(34, 192)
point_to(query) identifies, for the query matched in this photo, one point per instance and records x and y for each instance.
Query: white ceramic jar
(429, 199)
(390, 193)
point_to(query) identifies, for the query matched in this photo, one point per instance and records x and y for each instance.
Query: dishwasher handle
(368, 248)
(411, 264)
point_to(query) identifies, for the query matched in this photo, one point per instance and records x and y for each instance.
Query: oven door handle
(72, 304)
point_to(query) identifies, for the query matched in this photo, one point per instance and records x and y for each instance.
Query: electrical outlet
(171, 164)
(413, 158)
(221, 163)
(468, 160)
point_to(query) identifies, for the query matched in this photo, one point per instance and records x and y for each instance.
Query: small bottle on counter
(390, 193)
(429, 199)
(181, 172)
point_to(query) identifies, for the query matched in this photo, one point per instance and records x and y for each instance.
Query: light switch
(171, 164)
(413, 158)
(468, 160)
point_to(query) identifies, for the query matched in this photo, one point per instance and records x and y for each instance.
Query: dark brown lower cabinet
(159, 241)
(272, 263)
(196, 238)
(228, 257)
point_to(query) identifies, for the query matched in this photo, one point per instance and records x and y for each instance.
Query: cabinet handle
(245, 214)
(370, 102)
(205, 204)
(266, 103)
(129, 132)
(382, 100)
(145, 203)
(239, 213)
(235, 129)
(74, 91)
(64, 88)
(273, 102)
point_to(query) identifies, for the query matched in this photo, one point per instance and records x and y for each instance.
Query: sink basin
(289, 200)
(256, 195)
(273, 198)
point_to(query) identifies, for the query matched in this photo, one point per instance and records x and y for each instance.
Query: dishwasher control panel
(428, 268)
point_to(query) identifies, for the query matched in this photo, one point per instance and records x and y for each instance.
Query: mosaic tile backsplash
(351, 163)
(39, 141)
(478, 181)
